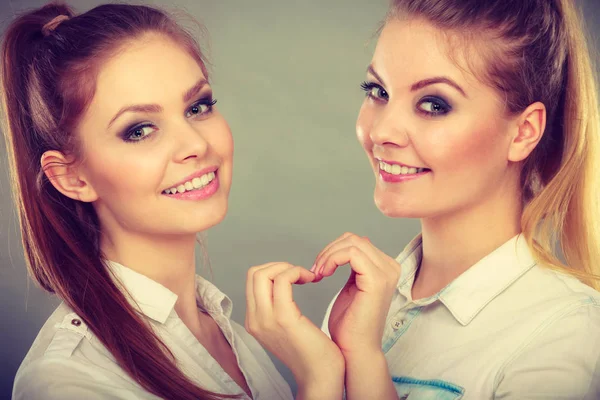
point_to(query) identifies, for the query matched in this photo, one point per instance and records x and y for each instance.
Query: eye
(431, 105)
(374, 91)
(139, 133)
(201, 107)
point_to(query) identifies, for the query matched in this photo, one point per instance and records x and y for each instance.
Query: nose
(388, 128)
(190, 142)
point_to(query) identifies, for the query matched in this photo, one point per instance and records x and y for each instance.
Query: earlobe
(64, 175)
(531, 125)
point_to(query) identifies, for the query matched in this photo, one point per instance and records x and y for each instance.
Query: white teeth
(396, 169)
(196, 183)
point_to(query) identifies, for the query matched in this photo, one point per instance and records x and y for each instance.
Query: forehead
(150, 69)
(413, 49)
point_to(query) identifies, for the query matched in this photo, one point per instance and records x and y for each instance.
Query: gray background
(286, 74)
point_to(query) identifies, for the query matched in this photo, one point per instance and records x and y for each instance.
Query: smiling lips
(198, 186)
(396, 169)
(399, 173)
(193, 184)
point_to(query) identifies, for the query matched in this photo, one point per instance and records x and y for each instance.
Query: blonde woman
(481, 119)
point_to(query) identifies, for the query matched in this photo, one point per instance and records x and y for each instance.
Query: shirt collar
(157, 302)
(475, 288)
(210, 298)
(410, 260)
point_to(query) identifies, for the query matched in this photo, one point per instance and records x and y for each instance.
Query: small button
(397, 324)
(76, 322)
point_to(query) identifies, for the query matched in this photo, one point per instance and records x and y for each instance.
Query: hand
(358, 315)
(275, 320)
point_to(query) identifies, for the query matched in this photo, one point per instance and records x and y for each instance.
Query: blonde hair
(541, 55)
(567, 209)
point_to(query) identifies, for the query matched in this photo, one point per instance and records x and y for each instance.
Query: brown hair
(48, 80)
(535, 50)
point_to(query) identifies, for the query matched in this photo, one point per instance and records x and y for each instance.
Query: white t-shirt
(506, 328)
(67, 361)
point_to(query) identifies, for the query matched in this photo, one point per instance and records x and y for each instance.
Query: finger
(263, 289)
(284, 306)
(320, 255)
(358, 260)
(348, 241)
(381, 260)
(250, 299)
(389, 264)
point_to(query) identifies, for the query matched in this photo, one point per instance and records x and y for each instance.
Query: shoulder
(570, 305)
(53, 367)
(554, 307)
(557, 292)
(56, 378)
(59, 336)
(561, 353)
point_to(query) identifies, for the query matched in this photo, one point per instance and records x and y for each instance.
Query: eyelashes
(138, 132)
(433, 106)
(374, 91)
(428, 105)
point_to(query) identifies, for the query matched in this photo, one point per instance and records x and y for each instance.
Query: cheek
(364, 124)
(217, 133)
(127, 172)
(225, 144)
(454, 149)
(220, 139)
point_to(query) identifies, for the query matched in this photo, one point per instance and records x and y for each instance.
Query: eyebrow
(155, 108)
(425, 82)
(437, 79)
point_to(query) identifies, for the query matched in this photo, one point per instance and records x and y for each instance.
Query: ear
(531, 124)
(66, 176)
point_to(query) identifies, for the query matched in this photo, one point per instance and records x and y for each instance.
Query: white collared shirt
(67, 361)
(506, 328)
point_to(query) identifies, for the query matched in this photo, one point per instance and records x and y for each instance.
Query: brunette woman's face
(437, 138)
(155, 150)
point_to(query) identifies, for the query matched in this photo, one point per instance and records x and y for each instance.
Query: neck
(453, 243)
(168, 260)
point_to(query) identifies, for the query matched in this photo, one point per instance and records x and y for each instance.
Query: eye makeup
(433, 106)
(430, 105)
(136, 132)
(374, 91)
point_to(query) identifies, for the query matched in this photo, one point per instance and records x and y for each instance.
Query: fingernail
(313, 268)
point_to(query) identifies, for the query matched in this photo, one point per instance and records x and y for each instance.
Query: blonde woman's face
(152, 130)
(436, 137)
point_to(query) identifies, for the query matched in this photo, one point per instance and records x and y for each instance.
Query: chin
(215, 217)
(192, 223)
(395, 208)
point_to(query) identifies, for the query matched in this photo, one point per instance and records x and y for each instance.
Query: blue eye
(375, 91)
(138, 133)
(201, 107)
(431, 105)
